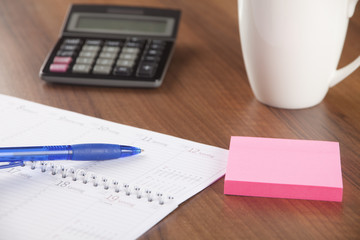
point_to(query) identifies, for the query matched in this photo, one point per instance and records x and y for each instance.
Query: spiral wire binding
(87, 177)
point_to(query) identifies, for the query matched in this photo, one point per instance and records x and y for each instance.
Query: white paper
(39, 205)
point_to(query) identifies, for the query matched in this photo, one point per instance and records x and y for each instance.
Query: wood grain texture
(205, 97)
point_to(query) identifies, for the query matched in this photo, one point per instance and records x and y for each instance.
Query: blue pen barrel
(43, 153)
(99, 151)
(77, 152)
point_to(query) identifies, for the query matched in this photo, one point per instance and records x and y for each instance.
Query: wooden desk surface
(206, 98)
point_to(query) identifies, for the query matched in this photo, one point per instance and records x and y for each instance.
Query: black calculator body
(113, 46)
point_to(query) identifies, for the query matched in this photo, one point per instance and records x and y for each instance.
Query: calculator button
(130, 50)
(85, 60)
(68, 47)
(160, 42)
(91, 48)
(147, 69)
(156, 46)
(138, 40)
(151, 58)
(125, 63)
(134, 44)
(64, 53)
(104, 61)
(88, 54)
(93, 42)
(81, 68)
(124, 71)
(107, 55)
(73, 41)
(58, 67)
(128, 56)
(100, 69)
(111, 49)
(62, 60)
(153, 52)
(114, 43)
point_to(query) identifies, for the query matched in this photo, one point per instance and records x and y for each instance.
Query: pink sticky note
(284, 168)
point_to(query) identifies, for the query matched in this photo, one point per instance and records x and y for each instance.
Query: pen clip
(12, 164)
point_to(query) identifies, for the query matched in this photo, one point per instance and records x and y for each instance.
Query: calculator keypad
(121, 57)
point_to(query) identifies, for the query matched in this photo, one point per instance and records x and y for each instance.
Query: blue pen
(15, 156)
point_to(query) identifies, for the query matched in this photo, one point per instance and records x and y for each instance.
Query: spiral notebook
(116, 199)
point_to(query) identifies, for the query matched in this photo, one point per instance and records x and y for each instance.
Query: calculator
(117, 46)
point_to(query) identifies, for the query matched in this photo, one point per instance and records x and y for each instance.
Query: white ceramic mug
(291, 48)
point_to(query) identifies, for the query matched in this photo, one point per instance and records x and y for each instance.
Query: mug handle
(342, 73)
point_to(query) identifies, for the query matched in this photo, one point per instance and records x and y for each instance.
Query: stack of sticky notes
(284, 168)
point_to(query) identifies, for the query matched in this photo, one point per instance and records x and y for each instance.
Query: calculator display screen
(121, 24)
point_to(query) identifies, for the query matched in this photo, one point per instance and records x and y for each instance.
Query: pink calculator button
(62, 60)
(58, 67)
